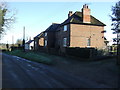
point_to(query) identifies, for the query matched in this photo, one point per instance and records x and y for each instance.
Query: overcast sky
(37, 16)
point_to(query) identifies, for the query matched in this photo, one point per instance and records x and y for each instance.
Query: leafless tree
(7, 17)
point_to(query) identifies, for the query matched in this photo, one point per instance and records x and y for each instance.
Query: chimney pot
(70, 14)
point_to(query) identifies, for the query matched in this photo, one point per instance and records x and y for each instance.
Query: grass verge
(31, 56)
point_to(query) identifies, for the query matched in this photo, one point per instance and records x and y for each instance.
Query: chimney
(29, 38)
(70, 14)
(86, 14)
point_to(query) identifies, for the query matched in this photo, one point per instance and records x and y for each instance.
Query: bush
(16, 48)
(102, 52)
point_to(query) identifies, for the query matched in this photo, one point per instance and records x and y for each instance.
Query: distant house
(29, 45)
(80, 29)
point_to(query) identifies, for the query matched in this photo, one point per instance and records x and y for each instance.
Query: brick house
(80, 29)
(39, 41)
(50, 36)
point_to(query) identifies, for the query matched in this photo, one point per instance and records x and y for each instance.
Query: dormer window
(65, 27)
(45, 34)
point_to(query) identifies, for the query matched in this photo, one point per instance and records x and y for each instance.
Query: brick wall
(80, 33)
(63, 34)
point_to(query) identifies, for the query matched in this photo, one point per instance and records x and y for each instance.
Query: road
(22, 73)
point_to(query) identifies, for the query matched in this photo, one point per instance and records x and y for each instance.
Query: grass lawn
(31, 56)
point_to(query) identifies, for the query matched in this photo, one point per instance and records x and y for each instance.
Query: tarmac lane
(21, 73)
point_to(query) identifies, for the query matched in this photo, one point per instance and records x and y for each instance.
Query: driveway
(22, 73)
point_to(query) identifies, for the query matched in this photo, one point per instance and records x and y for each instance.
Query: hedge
(81, 52)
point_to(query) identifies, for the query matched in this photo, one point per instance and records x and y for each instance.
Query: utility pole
(24, 32)
(24, 38)
(12, 40)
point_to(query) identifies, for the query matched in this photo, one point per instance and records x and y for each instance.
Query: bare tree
(6, 18)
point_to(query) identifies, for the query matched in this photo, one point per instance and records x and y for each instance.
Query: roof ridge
(77, 18)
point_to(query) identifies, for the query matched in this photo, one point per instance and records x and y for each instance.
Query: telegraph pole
(24, 32)
(24, 38)
(12, 40)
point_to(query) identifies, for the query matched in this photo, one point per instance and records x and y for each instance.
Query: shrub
(16, 48)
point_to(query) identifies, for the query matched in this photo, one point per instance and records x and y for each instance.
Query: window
(41, 41)
(65, 27)
(45, 42)
(45, 34)
(64, 42)
(88, 41)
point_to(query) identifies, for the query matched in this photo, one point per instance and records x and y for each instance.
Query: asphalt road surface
(22, 73)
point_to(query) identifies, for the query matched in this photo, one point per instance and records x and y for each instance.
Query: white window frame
(45, 33)
(65, 27)
(45, 42)
(64, 42)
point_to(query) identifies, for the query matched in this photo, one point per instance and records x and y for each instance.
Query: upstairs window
(45, 34)
(64, 42)
(65, 27)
